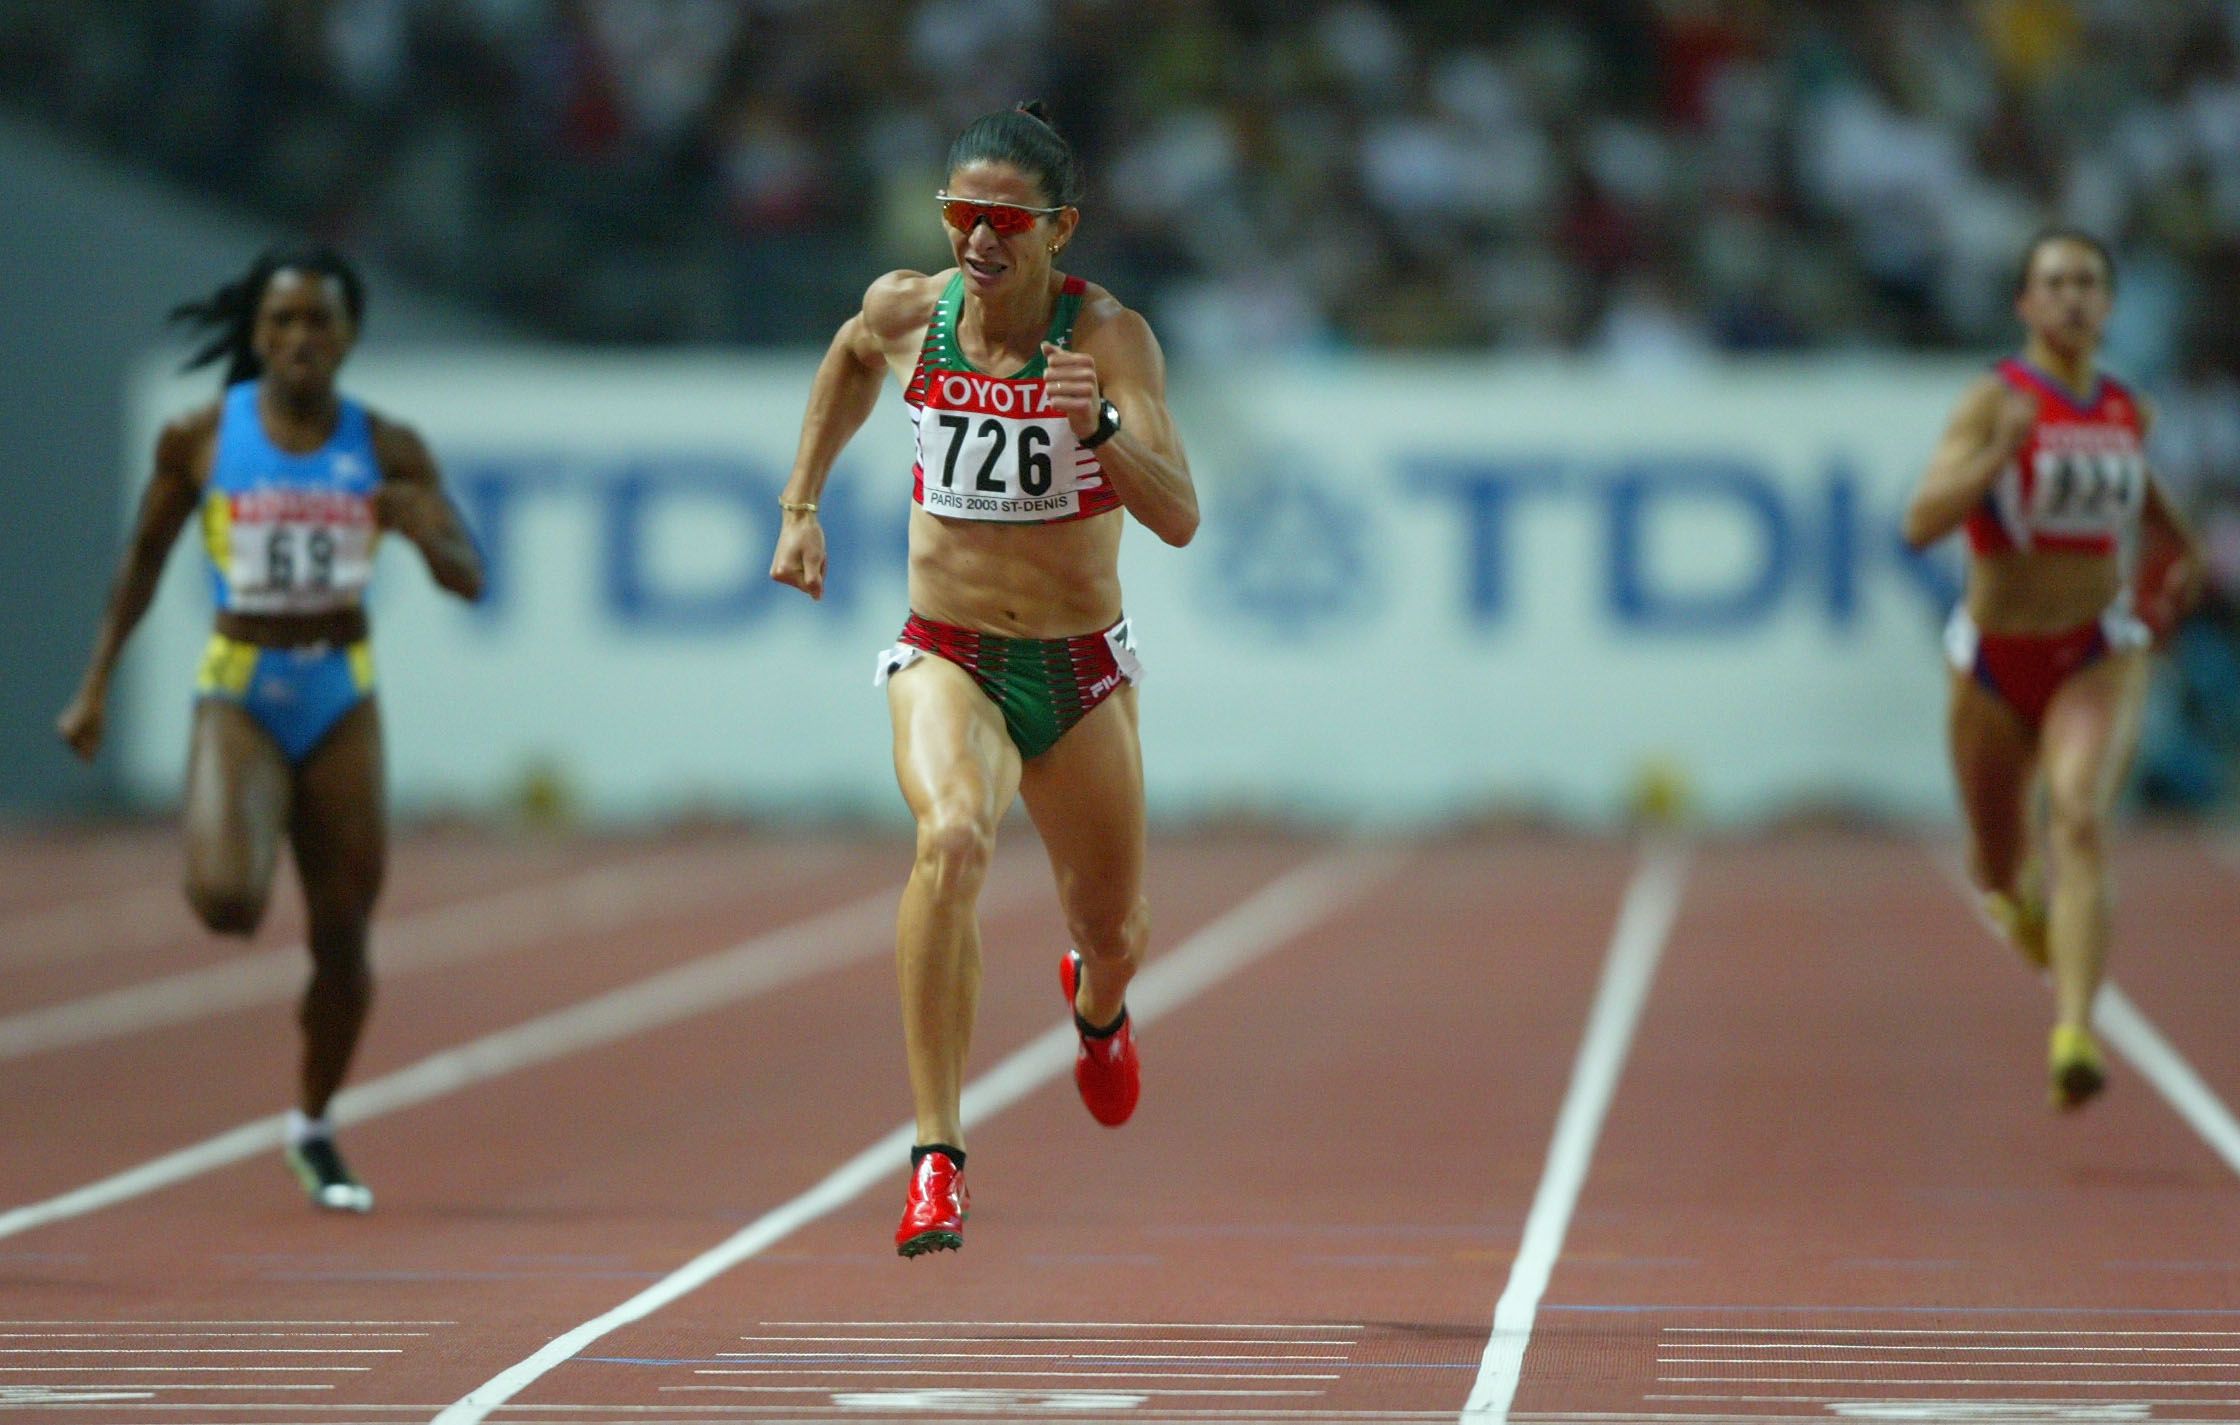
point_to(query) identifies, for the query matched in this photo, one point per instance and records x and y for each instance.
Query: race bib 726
(991, 449)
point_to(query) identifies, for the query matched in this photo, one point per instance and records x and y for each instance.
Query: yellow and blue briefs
(296, 695)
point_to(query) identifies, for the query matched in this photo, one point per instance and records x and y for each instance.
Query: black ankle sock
(954, 1155)
(1090, 1031)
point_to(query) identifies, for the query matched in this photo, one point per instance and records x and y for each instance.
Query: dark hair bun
(1023, 137)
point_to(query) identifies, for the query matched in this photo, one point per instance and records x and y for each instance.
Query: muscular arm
(173, 490)
(1986, 430)
(411, 502)
(840, 401)
(1144, 461)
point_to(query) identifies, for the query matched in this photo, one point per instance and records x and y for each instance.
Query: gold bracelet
(798, 507)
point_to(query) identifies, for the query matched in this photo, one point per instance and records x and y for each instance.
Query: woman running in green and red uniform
(1040, 405)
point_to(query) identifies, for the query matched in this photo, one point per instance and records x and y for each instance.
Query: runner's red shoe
(1106, 1069)
(934, 1211)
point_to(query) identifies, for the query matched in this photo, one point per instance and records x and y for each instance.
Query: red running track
(1827, 1187)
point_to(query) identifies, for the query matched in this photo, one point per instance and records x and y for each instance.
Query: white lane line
(1060, 1340)
(2102, 1403)
(1822, 1396)
(1034, 1375)
(1100, 1325)
(2134, 1036)
(2060, 1363)
(196, 1335)
(667, 882)
(1652, 902)
(1934, 1346)
(1010, 1356)
(766, 962)
(1943, 1330)
(1929, 1380)
(49, 1370)
(1145, 1390)
(1280, 911)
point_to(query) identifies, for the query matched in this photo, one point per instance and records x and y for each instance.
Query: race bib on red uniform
(2085, 480)
(990, 449)
(2079, 479)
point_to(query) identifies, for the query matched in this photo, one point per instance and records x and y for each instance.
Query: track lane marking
(825, 1390)
(764, 962)
(1098, 1325)
(49, 1370)
(1062, 1340)
(1936, 1380)
(1279, 912)
(2059, 1363)
(1009, 1356)
(201, 1350)
(1929, 1346)
(1034, 1375)
(2128, 1030)
(2093, 1401)
(605, 897)
(1955, 1330)
(1645, 919)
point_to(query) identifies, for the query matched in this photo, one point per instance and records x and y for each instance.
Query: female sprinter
(294, 482)
(1040, 405)
(2043, 467)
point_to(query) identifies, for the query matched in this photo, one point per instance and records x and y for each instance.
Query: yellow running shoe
(2076, 1070)
(2022, 919)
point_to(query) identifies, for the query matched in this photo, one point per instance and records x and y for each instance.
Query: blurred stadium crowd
(1650, 182)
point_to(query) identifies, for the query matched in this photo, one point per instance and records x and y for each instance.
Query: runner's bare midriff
(337, 626)
(2041, 591)
(1017, 580)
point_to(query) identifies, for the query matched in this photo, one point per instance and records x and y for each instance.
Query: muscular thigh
(2091, 730)
(1086, 797)
(237, 801)
(1993, 753)
(952, 756)
(340, 826)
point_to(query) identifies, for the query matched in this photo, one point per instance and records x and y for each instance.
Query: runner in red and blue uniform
(1040, 405)
(294, 483)
(2044, 467)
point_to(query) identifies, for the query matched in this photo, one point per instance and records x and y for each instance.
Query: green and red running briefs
(1042, 686)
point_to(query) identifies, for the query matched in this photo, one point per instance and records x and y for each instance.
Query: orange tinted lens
(1007, 221)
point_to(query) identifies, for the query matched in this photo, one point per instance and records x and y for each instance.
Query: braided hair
(1024, 138)
(229, 315)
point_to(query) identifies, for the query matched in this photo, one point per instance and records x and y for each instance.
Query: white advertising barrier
(1423, 590)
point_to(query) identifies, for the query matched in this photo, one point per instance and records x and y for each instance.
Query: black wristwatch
(1108, 425)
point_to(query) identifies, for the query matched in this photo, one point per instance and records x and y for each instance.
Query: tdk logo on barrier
(633, 502)
(1820, 542)
(1297, 555)
(1287, 551)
